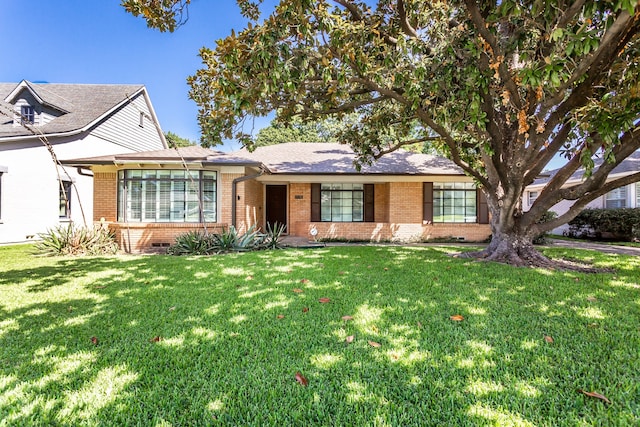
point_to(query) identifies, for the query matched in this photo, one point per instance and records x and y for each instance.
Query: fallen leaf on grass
(298, 291)
(420, 325)
(99, 287)
(350, 339)
(347, 318)
(374, 344)
(172, 308)
(457, 318)
(341, 273)
(595, 395)
(386, 269)
(324, 300)
(592, 299)
(249, 278)
(301, 379)
(304, 281)
(156, 339)
(305, 309)
(548, 339)
(280, 316)
(94, 340)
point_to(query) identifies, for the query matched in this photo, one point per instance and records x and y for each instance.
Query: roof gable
(81, 105)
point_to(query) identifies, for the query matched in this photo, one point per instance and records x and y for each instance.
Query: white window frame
(184, 195)
(616, 197)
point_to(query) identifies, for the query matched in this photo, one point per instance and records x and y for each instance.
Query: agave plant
(272, 238)
(72, 240)
(193, 243)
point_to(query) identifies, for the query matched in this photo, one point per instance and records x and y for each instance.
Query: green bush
(72, 240)
(272, 237)
(229, 240)
(613, 224)
(193, 243)
(541, 239)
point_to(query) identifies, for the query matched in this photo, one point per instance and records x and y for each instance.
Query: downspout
(234, 193)
(81, 169)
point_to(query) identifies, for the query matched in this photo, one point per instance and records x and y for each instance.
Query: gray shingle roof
(293, 158)
(190, 154)
(332, 158)
(82, 104)
(628, 166)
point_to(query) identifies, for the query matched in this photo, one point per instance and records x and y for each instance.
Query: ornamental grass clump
(76, 240)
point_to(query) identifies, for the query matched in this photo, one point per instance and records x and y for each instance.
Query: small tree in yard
(500, 88)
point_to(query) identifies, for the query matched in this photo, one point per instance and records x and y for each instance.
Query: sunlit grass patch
(158, 340)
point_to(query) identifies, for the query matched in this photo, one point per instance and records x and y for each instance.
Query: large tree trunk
(513, 248)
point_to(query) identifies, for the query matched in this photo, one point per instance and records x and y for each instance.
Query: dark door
(276, 204)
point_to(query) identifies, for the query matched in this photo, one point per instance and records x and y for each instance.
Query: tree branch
(404, 22)
(481, 27)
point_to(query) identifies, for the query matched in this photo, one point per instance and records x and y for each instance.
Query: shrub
(272, 237)
(71, 240)
(616, 224)
(541, 239)
(192, 243)
(229, 240)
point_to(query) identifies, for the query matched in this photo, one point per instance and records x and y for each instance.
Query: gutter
(234, 192)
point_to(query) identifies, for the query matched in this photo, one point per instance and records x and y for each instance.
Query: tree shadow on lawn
(218, 340)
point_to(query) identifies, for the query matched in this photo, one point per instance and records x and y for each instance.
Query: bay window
(162, 195)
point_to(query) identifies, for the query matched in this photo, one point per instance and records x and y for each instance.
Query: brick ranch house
(149, 198)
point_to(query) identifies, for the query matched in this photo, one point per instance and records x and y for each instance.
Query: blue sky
(96, 41)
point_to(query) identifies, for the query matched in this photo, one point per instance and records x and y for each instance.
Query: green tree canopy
(177, 141)
(499, 87)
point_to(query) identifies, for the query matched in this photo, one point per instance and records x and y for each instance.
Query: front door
(276, 204)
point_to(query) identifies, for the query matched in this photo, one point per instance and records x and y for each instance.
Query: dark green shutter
(427, 201)
(315, 202)
(483, 208)
(369, 203)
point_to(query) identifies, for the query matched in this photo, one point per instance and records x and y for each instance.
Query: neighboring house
(77, 120)
(627, 196)
(149, 198)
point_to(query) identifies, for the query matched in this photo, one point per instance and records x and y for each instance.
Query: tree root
(530, 257)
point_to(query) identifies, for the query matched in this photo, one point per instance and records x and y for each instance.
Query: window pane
(455, 203)
(167, 196)
(342, 202)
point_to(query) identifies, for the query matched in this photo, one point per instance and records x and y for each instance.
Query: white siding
(123, 127)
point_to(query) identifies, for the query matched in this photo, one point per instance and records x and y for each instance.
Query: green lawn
(219, 340)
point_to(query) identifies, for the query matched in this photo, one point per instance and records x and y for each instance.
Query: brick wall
(398, 217)
(105, 196)
(143, 237)
(250, 205)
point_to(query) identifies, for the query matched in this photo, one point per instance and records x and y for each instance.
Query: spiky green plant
(70, 239)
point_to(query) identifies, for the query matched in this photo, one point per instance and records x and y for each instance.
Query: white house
(622, 197)
(76, 120)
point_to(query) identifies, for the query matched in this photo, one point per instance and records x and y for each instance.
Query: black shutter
(427, 201)
(315, 202)
(369, 203)
(483, 208)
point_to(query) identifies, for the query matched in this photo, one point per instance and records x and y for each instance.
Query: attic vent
(141, 119)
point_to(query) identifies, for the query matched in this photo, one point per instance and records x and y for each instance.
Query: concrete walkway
(600, 247)
(301, 242)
